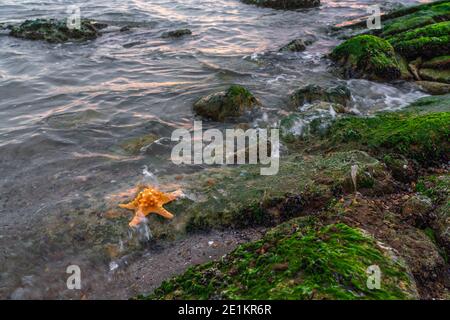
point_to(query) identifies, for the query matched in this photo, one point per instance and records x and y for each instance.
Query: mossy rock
(435, 75)
(426, 105)
(297, 260)
(284, 4)
(135, 145)
(219, 106)
(56, 31)
(433, 87)
(420, 137)
(368, 57)
(442, 62)
(415, 17)
(437, 187)
(427, 42)
(240, 197)
(177, 33)
(312, 93)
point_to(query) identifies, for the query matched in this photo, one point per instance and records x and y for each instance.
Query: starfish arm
(163, 212)
(129, 206)
(137, 219)
(168, 197)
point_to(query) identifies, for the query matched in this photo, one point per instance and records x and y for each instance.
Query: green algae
(226, 104)
(435, 75)
(296, 260)
(429, 41)
(441, 62)
(367, 56)
(56, 31)
(241, 197)
(421, 137)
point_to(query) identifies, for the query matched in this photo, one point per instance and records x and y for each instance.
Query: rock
(125, 29)
(367, 57)
(135, 145)
(442, 62)
(56, 31)
(312, 93)
(324, 262)
(226, 104)
(416, 208)
(296, 45)
(427, 42)
(435, 75)
(434, 88)
(176, 33)
(284, 4)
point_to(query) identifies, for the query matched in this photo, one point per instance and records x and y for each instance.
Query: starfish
(150, 200)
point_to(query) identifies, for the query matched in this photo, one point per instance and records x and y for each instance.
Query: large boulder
(56, 31)
(226, 104)
(367, 57)
(284, 4)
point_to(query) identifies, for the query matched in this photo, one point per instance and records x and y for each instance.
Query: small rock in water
(226, 104)
(176, 33)
(296, 45)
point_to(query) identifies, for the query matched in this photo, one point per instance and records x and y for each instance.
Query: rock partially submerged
(284, 4)
(233, 102)
(56, 31)
(296, 45)
(176, 33)
(313, 93)
(368, 57)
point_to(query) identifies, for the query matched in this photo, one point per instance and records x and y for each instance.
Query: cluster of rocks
(412, 45)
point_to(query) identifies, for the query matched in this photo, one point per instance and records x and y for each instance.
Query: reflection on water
(66, 109)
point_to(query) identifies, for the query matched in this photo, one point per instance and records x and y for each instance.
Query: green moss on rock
(295, 261)
(226, 104)
(56, 31)
(442, 62)
(312, 93)
(367, 56)
(241, 197)
(429, 41)
(421, 137)
(435, 75)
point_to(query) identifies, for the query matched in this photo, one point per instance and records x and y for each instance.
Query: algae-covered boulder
(233, 102)
(297, 260)
(420, 137)
(368, 57)
(56, 31)
(240, 197)
(312, 93)
(427, 42)
(176, 33)
(284, 4)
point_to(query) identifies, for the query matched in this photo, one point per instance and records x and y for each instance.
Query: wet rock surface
(56, 31)
(219, 106)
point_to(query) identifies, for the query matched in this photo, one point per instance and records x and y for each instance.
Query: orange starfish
(150, 200)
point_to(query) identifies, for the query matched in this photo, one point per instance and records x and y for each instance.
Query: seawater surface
(65, 110)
